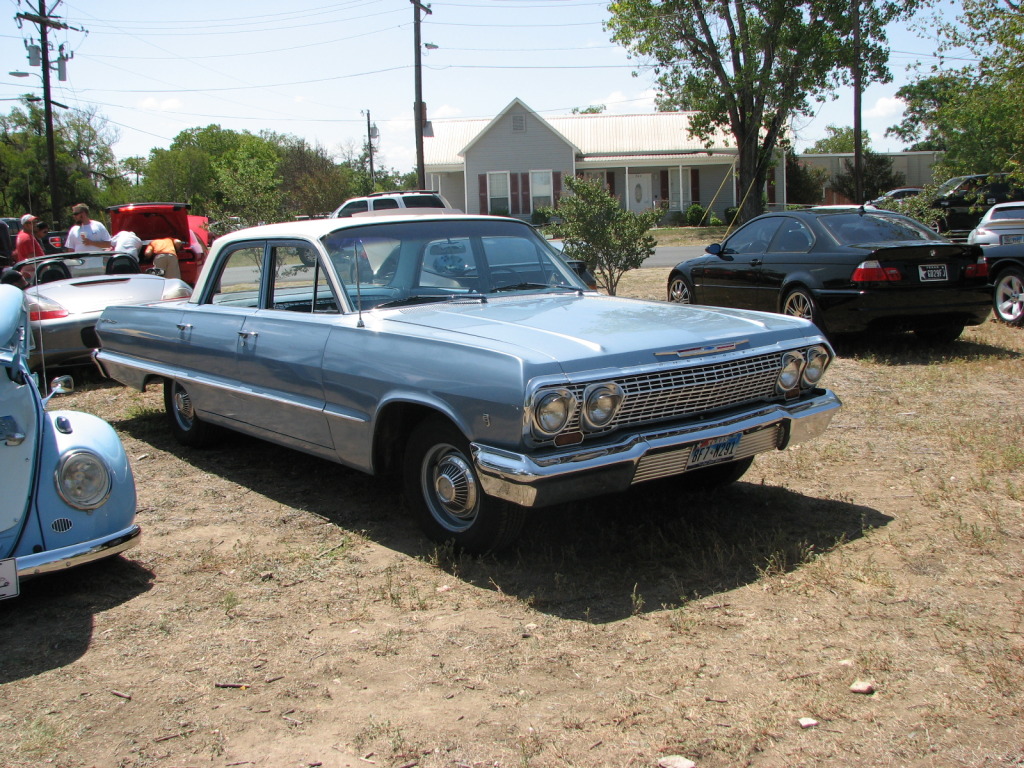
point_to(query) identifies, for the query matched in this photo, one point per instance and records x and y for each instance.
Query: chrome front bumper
(78, 554)
(661, 452)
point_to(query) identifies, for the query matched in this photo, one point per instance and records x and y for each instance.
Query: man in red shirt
(27, 246)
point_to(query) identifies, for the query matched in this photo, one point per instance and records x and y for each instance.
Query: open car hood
(151, 220)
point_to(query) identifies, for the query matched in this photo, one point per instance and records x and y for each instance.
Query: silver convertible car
(460, 353)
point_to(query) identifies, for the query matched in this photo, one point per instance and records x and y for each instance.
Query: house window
(542, 189)
(518, 123)
(498, 193)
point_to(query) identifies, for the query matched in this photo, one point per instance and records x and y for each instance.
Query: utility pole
(858, 141)
(418, 108)
(371, 134)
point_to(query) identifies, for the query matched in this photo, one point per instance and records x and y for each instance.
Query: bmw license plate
(713, 451)
(8, 578)
(930, 272)
(1011, 239)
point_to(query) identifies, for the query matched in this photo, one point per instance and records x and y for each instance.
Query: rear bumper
(663, 452)
(853, 311)
(54, 560)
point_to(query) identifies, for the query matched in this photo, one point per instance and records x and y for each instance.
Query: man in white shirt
(126, 242)
(86, 235)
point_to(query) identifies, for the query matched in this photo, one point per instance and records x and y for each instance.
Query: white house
(516, 162)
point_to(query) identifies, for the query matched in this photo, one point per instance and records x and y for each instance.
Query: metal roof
(614, 136)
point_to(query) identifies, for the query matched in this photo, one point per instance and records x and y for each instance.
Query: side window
(238, 283)
(793, 237)
(300, 284)
(356, 206)
(384, 202)
(754, 237)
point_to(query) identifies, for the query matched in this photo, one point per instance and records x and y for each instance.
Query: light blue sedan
(462, 355)
(68, 491)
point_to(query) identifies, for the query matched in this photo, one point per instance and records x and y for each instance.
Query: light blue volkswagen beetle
(68, 495)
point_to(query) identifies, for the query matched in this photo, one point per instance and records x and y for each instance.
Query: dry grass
(621, 631)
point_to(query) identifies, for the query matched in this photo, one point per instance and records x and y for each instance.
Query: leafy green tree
(597, 230)
(249, 184)
(311, 182)
(748, 66)
(878, 176)
(593, 109)
(838, 141)
(973, 113)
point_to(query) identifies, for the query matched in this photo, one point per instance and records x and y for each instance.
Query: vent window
(518, 123)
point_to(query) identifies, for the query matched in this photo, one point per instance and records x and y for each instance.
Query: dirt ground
(284, 611)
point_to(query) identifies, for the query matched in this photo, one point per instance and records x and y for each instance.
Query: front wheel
(443, 490)
(1008, 297)
(680, 290)
(186, 426)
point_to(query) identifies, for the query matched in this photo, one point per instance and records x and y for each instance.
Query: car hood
(151, 221)
(92, 294)
(621, 332)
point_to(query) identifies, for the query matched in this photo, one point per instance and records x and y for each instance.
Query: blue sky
(313, 68)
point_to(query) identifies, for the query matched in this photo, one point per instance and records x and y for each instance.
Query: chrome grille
(668, 463)
(685, 391)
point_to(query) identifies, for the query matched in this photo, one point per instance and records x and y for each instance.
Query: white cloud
(620, 103)
(160, 105)
(886, 107)
(443, 112)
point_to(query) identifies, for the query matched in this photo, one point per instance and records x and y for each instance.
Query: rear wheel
(800, 303)
(1008, 297)
(186, 426)
(444, 492)
(942, 334)
(680, 290)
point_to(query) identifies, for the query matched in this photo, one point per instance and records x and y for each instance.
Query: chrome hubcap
(1009, 299)
(183, 407)
(454, 488)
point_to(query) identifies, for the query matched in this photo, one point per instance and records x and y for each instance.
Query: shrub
(695, 215)
(730, 214)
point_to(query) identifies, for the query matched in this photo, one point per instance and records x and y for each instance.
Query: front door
(639, 194)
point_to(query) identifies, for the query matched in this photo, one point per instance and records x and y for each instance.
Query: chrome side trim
(77, 554)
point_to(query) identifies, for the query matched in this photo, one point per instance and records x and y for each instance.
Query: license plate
(713, 451)
(1011, 239)
(930, 272)
(8, 578)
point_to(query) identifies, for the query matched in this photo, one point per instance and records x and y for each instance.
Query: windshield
(419, 261)
(856, 229)
(1010, 212)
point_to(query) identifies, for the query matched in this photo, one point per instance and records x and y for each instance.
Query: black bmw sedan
(847, 270)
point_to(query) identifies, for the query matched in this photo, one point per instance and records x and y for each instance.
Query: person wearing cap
(86, 235)
(27, 246)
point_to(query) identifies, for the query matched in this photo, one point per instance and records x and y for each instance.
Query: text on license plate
(932, 272)
(1011, 239)
(713, 451)
(8, 578)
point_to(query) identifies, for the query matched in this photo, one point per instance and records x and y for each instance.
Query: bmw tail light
(978, 269)
(873, 272)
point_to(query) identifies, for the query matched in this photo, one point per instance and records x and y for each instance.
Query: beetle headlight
(789, 376)
(600, 404)
(83, 479)
(817, 362)
(552, 411)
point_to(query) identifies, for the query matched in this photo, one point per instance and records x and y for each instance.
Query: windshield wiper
(411, 300)
(528, 286)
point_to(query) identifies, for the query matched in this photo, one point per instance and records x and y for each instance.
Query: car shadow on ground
(907, 349)
(50, 624)
(599, 560)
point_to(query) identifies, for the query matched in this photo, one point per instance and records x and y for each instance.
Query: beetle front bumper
(537, 481)
(54, 560)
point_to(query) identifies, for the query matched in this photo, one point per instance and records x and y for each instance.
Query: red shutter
(513, 194)
(609, 180)
(524, 191)
(771, 186)
(557, 184)
(695, 185)
(483, 193)
(664, 187)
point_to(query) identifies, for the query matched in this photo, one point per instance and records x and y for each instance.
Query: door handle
(248, 335)
(184, 326)
(755, 262)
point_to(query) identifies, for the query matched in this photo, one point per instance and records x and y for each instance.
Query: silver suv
(381, 201)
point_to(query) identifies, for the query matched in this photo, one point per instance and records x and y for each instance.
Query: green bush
(730, 214)
(695, 215)
(540, 217)
(714, 221)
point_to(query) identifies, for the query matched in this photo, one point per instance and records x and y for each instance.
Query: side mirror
(62, 385)
(715, 249)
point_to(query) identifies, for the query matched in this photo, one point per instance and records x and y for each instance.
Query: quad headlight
(792, 368)
(552, 411)
(83, 479)
(600, 404)
(817, 361)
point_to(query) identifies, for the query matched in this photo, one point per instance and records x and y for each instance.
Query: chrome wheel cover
(450, 488)
(679, 292)
(1009, 298)
(183, 411)
(798, 304)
